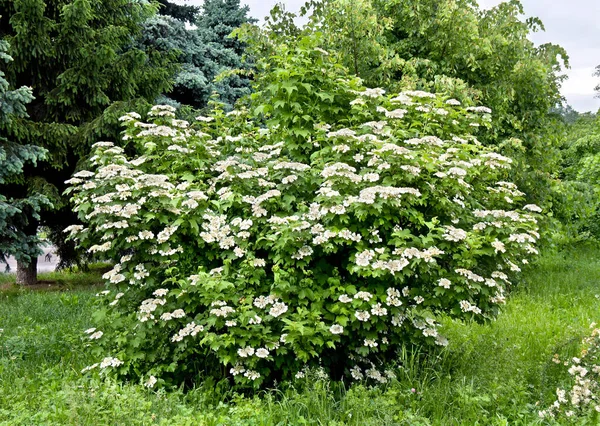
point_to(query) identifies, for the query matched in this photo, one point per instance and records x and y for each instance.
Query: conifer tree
(204, 53)
(79, 58)
(181, 12)
(15, 212)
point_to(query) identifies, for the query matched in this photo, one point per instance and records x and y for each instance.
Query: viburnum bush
(581, 402)
(254, 253)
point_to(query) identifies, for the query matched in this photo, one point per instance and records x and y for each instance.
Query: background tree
(597, 74)
(204, 53)
(181, 12)
(580, 179)
(15, 213)
(476, 56)
(79, 58)
(490, 59)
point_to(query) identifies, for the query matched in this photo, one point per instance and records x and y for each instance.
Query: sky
(572, 24)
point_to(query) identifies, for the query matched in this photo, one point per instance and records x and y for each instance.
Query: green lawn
(490, 374)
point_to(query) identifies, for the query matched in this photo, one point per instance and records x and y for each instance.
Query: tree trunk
(27, 272)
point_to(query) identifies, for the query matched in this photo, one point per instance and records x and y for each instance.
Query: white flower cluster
(177, 313)
(394, 204)
(110, 362)
(583, 397)
(454, 234)
(190, 329)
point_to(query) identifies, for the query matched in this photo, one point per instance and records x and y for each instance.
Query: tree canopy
(79, 58)
(15, 213)
(210, 60)
(182, 12)
(488, 59)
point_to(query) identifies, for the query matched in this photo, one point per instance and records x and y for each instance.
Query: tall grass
(494, 374)
(69, 278)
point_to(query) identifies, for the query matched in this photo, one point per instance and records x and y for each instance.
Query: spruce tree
(181, 12)
(204, 53)
(80, 59)
(15, 212)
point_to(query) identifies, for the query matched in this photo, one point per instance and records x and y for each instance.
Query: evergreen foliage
(181, 12)
(79, 58)
(210, 60)
(15, 213)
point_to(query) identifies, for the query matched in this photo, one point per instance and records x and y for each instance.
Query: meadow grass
(494, 374)
(68, 278)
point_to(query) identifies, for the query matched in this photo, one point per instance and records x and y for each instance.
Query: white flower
(238, 369)
(150, 382)
(362, 315)
(454, 234)
(262, 352)
(370, 343)
(252, 375)
(344, 298)
(223, 311)
(418, 94)
(289, 179)
(480, 109)
(397, 113)
(372, 93)
(246, 352)
(498, 246)
(364, 258)
(444, 282)
(96, 335)
(278, 309)
(255, 320)
(110, 362)
(356, 373)
(89, 330)
(303, 252)
(532, 208)
(73, 229)
(178, 313)
(465, 306)
(262, 301)
(378, 310)
(146, 235)
(299, 375)
(364, 295)
(336, 329)
(160, 292)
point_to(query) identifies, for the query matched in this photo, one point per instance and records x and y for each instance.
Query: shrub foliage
(254, 252)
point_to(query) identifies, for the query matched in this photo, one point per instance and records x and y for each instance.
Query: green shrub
(579, 402)
(255, 253)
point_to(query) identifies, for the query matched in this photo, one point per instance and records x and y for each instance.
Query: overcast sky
(573, 24)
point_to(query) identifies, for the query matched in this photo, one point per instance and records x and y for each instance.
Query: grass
(494, 374)
(69, 278)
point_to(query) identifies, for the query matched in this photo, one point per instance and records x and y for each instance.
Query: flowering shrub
(581, 401)
(239, 257)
